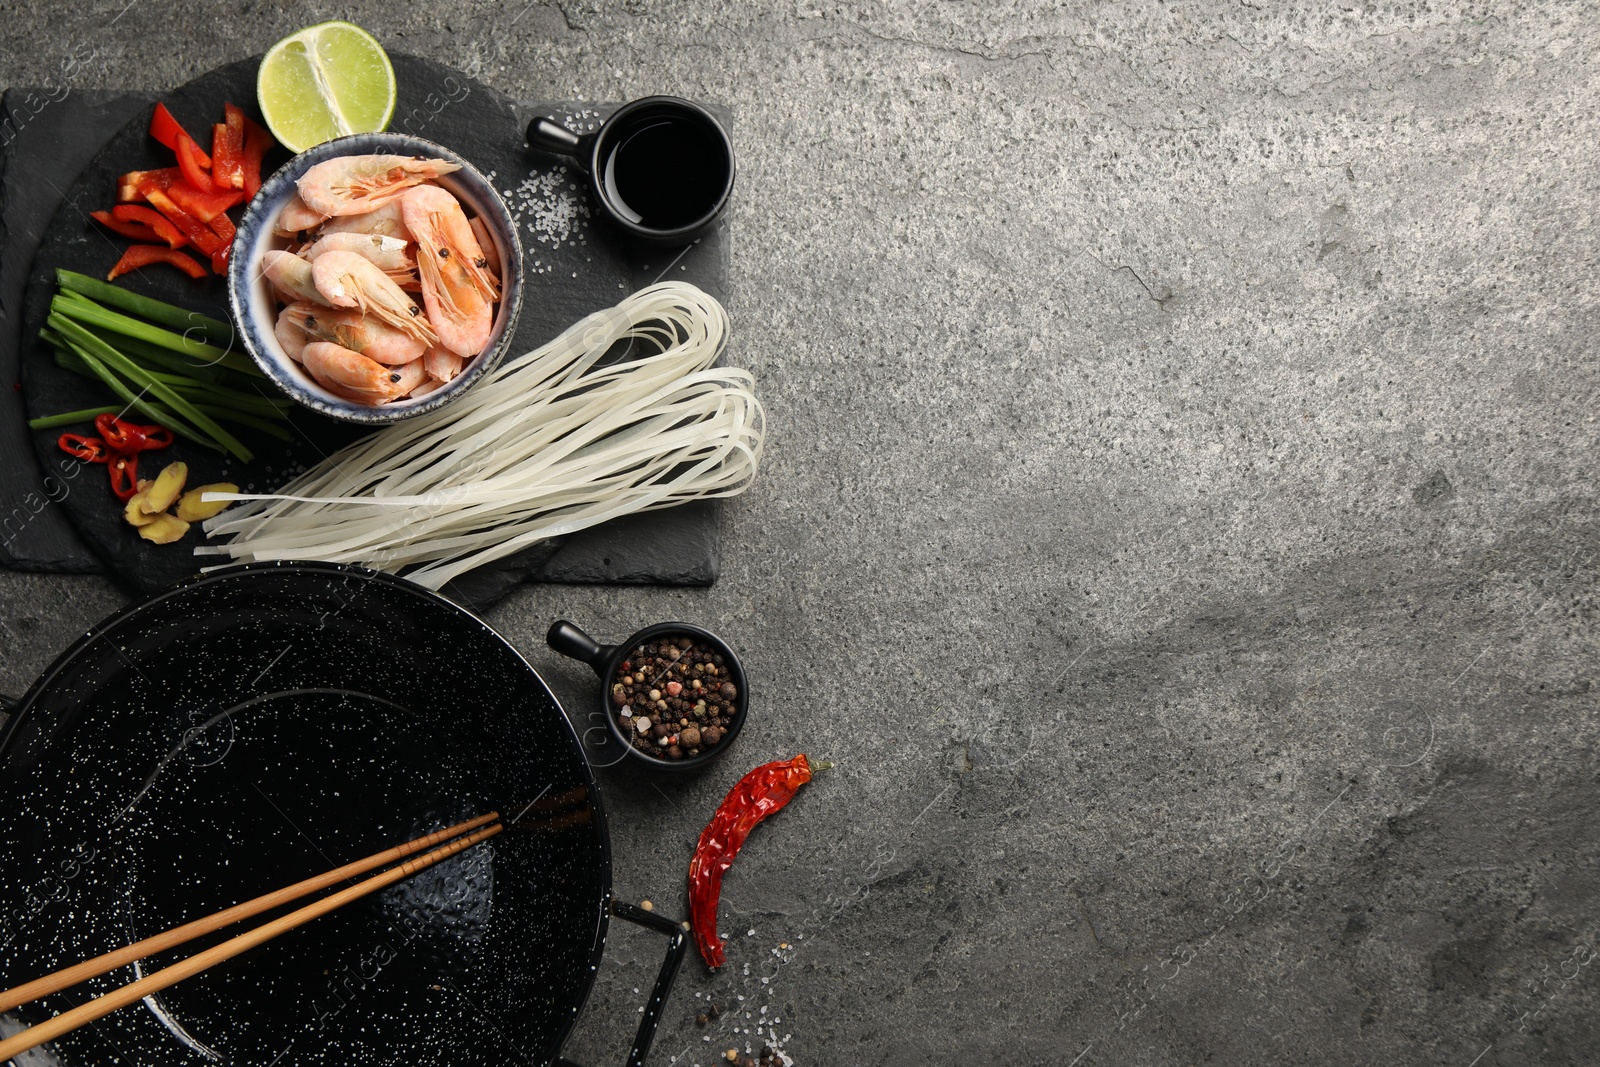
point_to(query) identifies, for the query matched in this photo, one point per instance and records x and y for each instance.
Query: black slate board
(47, 135)
(575, 266)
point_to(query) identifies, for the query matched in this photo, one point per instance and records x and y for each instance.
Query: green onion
(160, 390)
(215, 330)
(91, 314)
(50, 422)
(164, 358)
(204, 398)
(138, 403)
(184, 383)
(271, 429)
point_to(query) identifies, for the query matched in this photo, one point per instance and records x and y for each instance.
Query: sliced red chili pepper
(128, 184)
(88, 449)
(138, 256)
(198, 233)
(124, 472)
(194, 172)
(167, 130)
(204, 206)
(130, 437)
(256, 143)
(152, 218)
(118, 434)
(754, 797)
(219, 260)
(136, 230)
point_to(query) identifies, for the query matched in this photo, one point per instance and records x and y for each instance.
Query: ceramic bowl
(255, 309)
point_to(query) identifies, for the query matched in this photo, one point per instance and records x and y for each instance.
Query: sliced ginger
(134, 511)
(163, 529)
(193, 509)
(147, 509)
(168, 484)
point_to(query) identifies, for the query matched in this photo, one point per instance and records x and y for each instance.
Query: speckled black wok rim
(242, 572)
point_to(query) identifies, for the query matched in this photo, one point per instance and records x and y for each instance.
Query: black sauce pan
(569, 640)
(262, 723)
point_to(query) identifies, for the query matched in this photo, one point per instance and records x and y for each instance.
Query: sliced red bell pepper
(195, 173)
(203, 206)
(256, 143)
(227, 150)
(152, 218)
(166, 129)
(198, 233)
(128, 184)
(136, 230)
(222, 225)
(124, 471)
(88, 449)
(138, 256)
(130, 437)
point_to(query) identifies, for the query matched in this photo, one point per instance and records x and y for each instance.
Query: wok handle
(8, 704)
(677, 948)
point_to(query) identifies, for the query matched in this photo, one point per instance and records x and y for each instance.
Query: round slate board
(433, 101)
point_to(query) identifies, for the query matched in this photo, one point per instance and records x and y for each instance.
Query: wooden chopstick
(136, 991)
(82, 972)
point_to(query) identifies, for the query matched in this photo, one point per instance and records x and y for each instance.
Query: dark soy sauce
(665, 171)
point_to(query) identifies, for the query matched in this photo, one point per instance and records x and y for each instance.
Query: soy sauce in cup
(661, 168)
(664, 172)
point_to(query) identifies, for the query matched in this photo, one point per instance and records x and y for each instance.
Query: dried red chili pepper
(88, 449)
(754, 797)
(124, 472)
(130, 437)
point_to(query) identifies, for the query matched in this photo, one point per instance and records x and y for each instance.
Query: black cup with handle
(606, 660)
(660, 168)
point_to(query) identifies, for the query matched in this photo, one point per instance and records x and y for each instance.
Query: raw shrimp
(388, 254)
(290, 334)
(291, 276)
(457, 288)
(383, 222)
(296, 217)
(442, 364)
(356, 377)
(349, 185)
(491, 251)
(347, 280)
(350, 329)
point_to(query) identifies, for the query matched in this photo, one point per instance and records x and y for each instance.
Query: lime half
(324, 82)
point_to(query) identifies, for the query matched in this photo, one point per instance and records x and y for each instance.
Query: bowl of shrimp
(376, 276)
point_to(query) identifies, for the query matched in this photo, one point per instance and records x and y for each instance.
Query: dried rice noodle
(548, 443)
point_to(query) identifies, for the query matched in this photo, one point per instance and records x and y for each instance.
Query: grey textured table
(1179, 520)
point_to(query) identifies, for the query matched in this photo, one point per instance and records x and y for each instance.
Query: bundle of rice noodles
(549, 443)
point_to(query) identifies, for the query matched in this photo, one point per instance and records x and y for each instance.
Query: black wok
(263, 723)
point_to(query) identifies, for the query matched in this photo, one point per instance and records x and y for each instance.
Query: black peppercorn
(654, 685)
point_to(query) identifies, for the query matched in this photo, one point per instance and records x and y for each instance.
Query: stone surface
(1178, 521)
